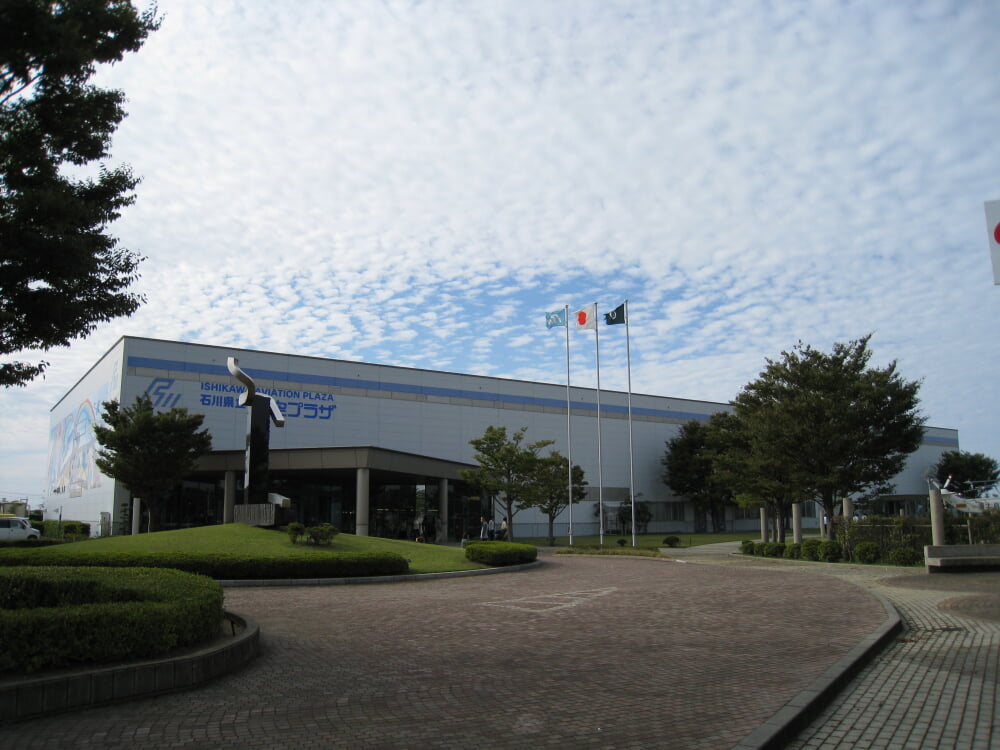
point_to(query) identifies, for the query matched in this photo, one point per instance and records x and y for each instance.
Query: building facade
(378, 450)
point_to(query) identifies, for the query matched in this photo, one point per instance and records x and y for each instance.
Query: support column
(136, 514)
(229, 497)
(937, 517)
(848, 509)
(764, 530)
(797, 523)
(443, 510)
(361, 502)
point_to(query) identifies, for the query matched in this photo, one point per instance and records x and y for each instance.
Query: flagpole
(631, 464)
(600, 465)
(569, 433)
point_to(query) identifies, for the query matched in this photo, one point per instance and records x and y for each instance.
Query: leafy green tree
(60, 273)
(824, 426)
(690, 467)
(643, 515)
(971, 474)
(507, 468)
(149, 452)
(550, 492)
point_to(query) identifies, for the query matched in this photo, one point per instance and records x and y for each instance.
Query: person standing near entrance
(491, 529)
(484, 529)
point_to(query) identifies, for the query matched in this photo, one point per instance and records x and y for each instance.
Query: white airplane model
(974, 505)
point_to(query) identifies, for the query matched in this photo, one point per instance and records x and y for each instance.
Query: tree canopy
(149, 452)
(550, 490)
(507, 468)
(690, 467)
(826, 426)
(60, 272)
(972, 474)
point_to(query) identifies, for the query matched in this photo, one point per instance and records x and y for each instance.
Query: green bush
(793, 551)
(295, 531)
(905, 556)
(774, 549)
(96, 615)
(501, 553)
(322, 534)
(810, 549)
(671, 541)
(758, 548)
(867, 553)
(72, 530)
(747, 547)
(830, 551)
(220, 565)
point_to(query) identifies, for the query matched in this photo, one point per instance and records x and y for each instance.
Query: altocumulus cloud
(417, 183)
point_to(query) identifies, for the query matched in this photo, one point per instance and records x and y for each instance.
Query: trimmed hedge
(63, 529)
(867, 553)
(59, 617)
(220, 565)
(500, 553)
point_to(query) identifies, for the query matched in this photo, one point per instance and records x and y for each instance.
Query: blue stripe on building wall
(420, 390)
(423, 390)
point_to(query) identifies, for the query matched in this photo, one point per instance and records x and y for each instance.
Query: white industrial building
(373, 448)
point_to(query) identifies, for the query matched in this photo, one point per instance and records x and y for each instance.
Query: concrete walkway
(935, 686)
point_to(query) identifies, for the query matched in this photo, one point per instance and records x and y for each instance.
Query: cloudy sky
(416, 183)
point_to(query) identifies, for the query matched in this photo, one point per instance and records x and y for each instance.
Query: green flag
(616, 316)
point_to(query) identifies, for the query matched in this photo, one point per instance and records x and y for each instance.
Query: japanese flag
(993, 230)
(587, 317)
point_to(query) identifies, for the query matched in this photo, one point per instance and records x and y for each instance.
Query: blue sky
(417, 183)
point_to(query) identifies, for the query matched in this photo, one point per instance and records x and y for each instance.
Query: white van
(12, 528)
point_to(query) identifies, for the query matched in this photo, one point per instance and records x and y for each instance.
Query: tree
(506, 468)
(972, 474)
(643, 515)
(149, 452)
(60, 273)
(690, 467)
(826, 426)
(550, 490)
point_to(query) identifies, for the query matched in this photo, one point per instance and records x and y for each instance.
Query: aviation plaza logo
(293, 403)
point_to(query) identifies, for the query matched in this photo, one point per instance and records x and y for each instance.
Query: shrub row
(221, 565)
(817, 550)
(500, 553)
(63, 529)
(829, 550)
(96, 615)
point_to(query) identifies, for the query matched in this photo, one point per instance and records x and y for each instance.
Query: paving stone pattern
(579, 652)
(935, 687)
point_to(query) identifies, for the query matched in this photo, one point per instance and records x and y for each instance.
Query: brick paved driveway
(579, 652)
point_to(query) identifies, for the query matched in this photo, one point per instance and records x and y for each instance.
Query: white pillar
(797, 523)
(937, 517)
(764, 530)
(848, 506)
(443, 510)
(136, 514)
(361, 503)
(229, 497)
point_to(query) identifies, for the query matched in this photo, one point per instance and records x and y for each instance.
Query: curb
(801, 710)
(25, 698)
(410, 577)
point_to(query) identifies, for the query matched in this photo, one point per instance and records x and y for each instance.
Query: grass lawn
(238, 538)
